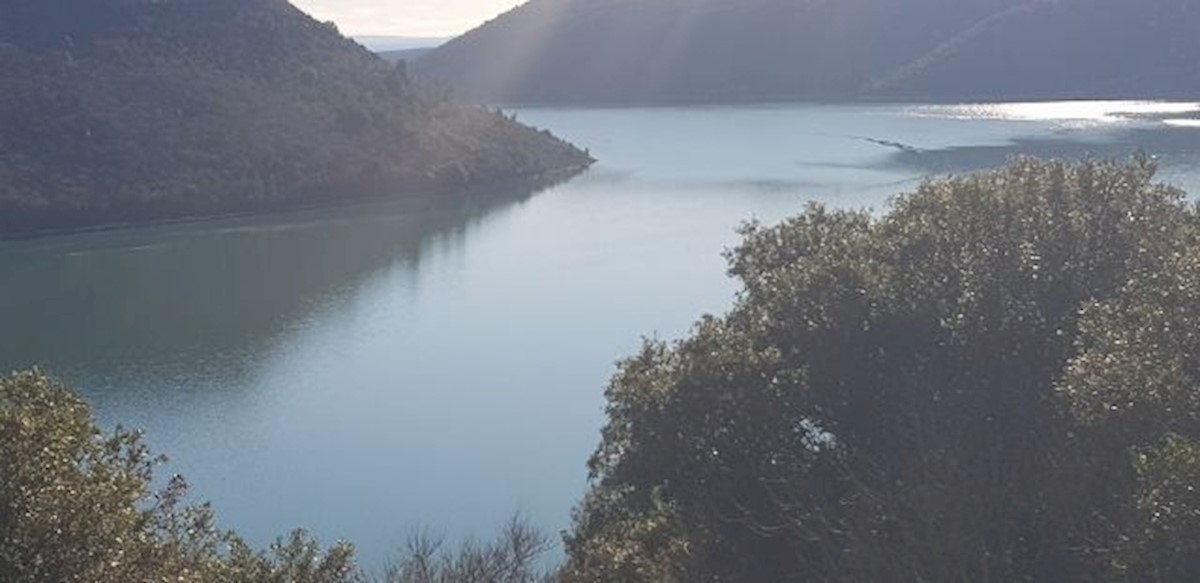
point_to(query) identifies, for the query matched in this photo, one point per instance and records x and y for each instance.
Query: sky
(410, 18)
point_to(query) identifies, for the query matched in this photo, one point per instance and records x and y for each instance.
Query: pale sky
(415, 18)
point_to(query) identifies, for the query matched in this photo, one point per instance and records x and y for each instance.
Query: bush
(76, 506)
(995, 381)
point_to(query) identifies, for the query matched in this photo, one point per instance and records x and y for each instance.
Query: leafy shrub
(995, 381)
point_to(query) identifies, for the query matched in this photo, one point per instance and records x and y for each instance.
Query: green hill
(126, 111)
(705, 51)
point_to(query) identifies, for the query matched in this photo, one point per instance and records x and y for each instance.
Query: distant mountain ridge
(402, 54)
(723, 51)
(383, 44)
(127, 111)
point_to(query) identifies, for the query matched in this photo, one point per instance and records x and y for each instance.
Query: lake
(366, 371)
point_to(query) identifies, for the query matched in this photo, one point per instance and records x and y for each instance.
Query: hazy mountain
(1063, 49)
(614, 51)
(403, 54)
(136, 110)
(382, 44)
(399, 48)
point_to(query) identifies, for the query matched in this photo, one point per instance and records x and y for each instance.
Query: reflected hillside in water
(211, 295)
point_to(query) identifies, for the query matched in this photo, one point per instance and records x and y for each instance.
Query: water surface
(367, 370)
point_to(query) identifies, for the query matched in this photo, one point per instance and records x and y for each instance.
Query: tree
(513, 557)
(995, 381)
(76, 506)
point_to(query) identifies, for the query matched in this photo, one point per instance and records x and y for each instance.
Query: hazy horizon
(413, 18)
(383, 43)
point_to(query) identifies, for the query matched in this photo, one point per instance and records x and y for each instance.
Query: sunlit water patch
(1183, 123)
(1066, 113)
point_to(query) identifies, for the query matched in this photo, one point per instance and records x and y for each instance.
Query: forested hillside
(117, 111)
(686, 51)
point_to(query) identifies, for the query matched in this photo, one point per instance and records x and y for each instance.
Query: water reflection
(207, 299)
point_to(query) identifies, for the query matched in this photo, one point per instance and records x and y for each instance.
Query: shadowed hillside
(1065, 49)
(689, 51)
(117, 111)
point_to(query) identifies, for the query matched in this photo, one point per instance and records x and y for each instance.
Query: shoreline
(533, 182)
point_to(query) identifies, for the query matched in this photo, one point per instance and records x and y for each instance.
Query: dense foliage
(686, 51)
(995, 381)
(77, 505)
(136, 110)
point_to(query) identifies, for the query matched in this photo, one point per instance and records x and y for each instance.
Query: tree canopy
(996, 380)
(79, 505)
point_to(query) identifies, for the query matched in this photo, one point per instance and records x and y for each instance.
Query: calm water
(366, 371)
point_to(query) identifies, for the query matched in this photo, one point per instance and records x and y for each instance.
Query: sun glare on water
(1183, 123)
(1074, 112)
